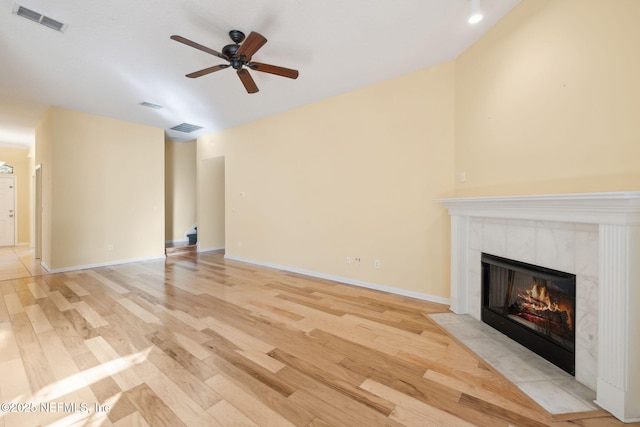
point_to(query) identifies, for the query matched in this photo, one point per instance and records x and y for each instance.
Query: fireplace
(594, 235)
(532, 305)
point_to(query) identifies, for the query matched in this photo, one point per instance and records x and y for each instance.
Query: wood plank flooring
(204, 341)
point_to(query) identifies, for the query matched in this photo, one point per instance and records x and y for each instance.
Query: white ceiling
(115, 54)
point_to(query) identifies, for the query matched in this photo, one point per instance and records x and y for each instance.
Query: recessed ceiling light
(475, 12)
(38, 18)
(186, 128)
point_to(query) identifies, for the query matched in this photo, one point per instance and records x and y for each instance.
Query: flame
(537, 298)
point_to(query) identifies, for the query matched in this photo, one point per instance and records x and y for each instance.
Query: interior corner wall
(548, 101)
(103, 190)
(17, 157)
(211, 198)
(43, 156)
(354, 176)
(180, 189)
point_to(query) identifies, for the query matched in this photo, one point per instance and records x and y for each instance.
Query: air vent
(52, 23)
(39, 18)
(186, 128)
(29, 14)
(151, 105)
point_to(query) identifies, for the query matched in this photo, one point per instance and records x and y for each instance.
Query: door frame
(38, 212)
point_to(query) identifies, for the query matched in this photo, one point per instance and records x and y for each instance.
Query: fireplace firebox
(533, 305)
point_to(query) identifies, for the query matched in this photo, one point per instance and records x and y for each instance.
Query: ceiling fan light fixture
(475, 11)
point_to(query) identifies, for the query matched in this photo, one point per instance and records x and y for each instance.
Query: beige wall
(549, 101)
(18, 158)
(545, 102)
(211, 199)
(103, 190)
(352, 176)
(180, 189)
(44, 160)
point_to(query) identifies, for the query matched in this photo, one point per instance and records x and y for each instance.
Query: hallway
(17, 262)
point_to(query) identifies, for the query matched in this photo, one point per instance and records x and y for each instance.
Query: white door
(7, 210)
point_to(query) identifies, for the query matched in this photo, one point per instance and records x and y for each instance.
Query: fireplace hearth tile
(549, 386)
(520, 369)
(577, 390)
(554, 398)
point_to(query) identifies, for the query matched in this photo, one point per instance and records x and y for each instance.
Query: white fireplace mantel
(594, 208)
(617, 217)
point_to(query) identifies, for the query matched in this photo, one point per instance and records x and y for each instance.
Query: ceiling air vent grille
(29, 14)
(39, 18)
(52, 23)
(186, 128)
(151, 105)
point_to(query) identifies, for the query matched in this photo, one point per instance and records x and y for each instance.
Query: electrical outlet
(348, 260)
(358, 260)
(377, 263)
(110, 247)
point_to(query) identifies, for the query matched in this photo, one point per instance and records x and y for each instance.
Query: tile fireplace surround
(595, 236)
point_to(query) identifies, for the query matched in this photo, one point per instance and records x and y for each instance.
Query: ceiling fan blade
(251, 45)
(247, 81)
(207, 71)
(198, 46)
(274, 69)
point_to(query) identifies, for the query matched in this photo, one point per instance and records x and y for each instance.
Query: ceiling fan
(239, 58)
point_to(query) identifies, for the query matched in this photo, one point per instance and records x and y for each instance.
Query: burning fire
(537, 299)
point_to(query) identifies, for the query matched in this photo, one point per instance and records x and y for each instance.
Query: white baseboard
(396, 291)
(45, 266)
(209, 249)
(103, 264)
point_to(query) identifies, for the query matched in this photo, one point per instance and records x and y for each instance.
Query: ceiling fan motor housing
(230, 50)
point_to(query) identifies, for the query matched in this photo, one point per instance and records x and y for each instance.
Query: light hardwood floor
(204, 341)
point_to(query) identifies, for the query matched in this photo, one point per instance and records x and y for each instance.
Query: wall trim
(621, 207)
(221, 248)
(103, 264)
(360, 283)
